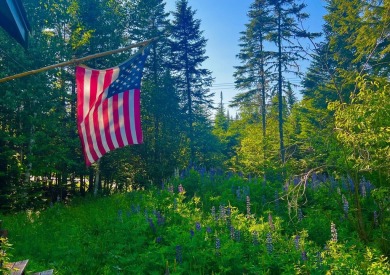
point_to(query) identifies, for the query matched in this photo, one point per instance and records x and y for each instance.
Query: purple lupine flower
(314, 178)
(255, 240)
(345, 205)
(208, 229)
(232, 232)
(304, 256)
(296, 181)
(333, 232)
(238, 193)
(180, 189)
(151, 224)
(170, 188)
(222, 211)
(248, 207)
(300, 214)
(192, 233)
(270, 222)
(159, 239)
(376, 219)
(228, 222)
(285, 186)
(351, 184)
(229, 174)
(363, 189)
(237, 235)
(276, 200)
(160, 218)
(217, 243)
(217, 246)
(268, 242)
(228, 211)
(198, 227)
(213, 213)
(179, 254)
(296, 241)
(368, 186)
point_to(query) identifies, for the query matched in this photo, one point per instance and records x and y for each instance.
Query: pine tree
(254, 73)
(287, 19)
(188, 54)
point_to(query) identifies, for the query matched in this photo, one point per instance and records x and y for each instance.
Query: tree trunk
(280, 89)
(97, 179)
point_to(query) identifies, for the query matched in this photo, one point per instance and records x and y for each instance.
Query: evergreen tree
(254, 73)
(188, 54)
(160, 103)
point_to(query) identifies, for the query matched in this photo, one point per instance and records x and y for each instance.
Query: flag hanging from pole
(108, 107)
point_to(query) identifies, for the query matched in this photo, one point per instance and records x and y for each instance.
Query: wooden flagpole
(78, 60)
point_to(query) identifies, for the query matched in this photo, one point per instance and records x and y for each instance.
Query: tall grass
(203, 223)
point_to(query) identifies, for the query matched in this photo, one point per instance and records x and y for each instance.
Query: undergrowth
(202, 223)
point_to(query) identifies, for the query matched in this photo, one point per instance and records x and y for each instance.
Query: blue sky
(222, 21)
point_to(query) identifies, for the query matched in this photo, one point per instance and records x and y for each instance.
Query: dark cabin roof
(13, 19)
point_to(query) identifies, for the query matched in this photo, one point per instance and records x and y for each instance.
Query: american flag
(108, 107)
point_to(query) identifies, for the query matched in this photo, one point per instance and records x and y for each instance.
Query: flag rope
(78, 60)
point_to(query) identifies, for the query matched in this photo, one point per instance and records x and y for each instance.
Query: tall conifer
(188, 54)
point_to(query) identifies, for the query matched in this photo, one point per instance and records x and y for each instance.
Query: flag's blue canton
(130, 74)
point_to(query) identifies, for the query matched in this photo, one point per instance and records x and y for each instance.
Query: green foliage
(5, 255)
(364, 127)
(203, 222)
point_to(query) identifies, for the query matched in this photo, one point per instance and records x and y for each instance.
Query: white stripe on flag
(132, 118)
(122, 119)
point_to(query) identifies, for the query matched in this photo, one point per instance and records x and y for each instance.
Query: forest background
(340, 128)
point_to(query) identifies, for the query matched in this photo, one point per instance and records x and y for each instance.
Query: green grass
(156, 231)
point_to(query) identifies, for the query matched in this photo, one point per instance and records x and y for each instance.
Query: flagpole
(78, 60)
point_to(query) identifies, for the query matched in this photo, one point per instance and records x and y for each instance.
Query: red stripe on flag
(116, 118)
(96, 127)
(137, 115)
(126, 115)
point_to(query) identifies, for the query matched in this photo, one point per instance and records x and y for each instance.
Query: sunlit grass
(204, 229)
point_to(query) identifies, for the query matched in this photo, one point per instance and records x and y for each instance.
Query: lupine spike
(376, 219)
(270, 222)
(248, 207)
(217, 246)
(179, 254)
(345, 205)
(296, 241)
(269, 244)
(222, 211)
(232, 232)
(213, 213)
(333, 232)
(237, 235)
(198, 227)
(300, 214)
(255, 238)
(180, 189)
(304, 256)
